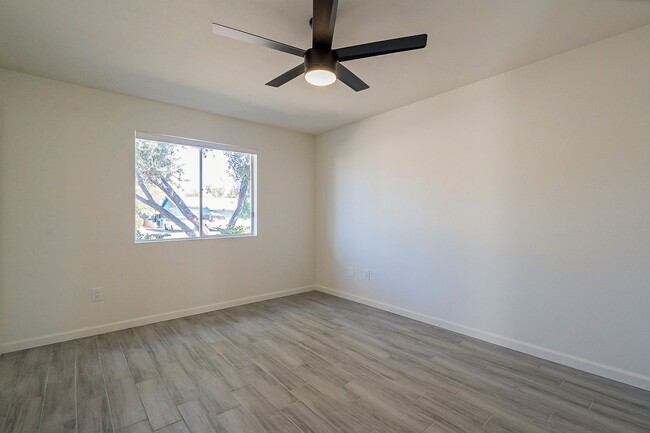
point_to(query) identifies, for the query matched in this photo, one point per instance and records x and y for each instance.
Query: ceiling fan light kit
(320, 67)
(322, 64)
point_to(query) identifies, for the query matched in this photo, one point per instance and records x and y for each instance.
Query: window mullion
(201, 192)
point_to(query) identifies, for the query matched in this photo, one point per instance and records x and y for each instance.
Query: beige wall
(67, 213)
(516, 209)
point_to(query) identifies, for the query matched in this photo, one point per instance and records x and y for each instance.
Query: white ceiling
(164, 49)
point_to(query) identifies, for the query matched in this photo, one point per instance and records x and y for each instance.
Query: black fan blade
(287, 76)
(323, 23)
(240, 35)
(348, 78)
(382, 47)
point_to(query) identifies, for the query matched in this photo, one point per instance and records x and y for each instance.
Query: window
(188, 189)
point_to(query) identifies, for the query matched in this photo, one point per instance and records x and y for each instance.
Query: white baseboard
(146, 320)
(607, 371)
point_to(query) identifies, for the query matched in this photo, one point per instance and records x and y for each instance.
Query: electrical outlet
(366, 274)
(351, 271)
(97, 294)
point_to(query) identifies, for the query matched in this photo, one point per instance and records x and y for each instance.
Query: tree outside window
(188, 191)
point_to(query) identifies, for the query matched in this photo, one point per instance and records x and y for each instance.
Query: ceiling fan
(322, 64)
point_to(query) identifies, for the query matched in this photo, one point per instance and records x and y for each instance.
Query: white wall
(67, 214)
(516, 209)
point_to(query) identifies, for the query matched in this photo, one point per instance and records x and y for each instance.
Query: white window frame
(201, 144)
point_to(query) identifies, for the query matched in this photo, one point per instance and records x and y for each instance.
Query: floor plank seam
(104, 379)
(550, 416)
(14, 397)
(76, 399)
(487, 420)
(47, 379)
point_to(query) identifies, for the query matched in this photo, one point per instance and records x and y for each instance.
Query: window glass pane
(167, 190)
(188, 191)
(227, 193)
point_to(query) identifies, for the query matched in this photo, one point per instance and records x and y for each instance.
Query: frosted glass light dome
(320, 77)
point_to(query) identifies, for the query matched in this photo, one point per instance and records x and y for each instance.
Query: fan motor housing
(320, 59)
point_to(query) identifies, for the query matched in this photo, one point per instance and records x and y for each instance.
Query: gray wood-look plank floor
(306, 363)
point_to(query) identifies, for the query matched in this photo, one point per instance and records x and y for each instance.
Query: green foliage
(237, 230)
(246, 208)
(215, 191)
(155, 160)
(149, 236)
(239, 166)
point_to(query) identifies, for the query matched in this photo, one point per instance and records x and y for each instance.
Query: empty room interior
(322, 216)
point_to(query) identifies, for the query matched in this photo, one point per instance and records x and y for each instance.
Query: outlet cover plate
(97, 294)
